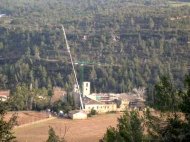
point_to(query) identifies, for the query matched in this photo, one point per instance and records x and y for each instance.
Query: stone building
(107, 102)
(100, 107)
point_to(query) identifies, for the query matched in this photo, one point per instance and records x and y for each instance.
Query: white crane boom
(68, 48)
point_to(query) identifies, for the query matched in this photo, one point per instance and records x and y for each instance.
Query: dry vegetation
(25, 117)
(91, 129)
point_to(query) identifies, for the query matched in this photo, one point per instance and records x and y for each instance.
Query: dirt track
(90, 130)
(25, 117)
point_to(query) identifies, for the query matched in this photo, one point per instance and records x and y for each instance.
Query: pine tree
(6, 134)
(186, 99)
(165, 95)
(53, 137)
(129, 129)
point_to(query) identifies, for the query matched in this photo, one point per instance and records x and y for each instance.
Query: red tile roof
(5, 93)
(89, 101)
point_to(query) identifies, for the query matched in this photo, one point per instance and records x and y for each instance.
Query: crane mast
(76, 80)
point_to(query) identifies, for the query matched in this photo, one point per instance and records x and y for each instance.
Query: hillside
(122, 43)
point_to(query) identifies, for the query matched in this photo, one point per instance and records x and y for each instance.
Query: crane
(76, 81)
(82, 64)
(91, 64)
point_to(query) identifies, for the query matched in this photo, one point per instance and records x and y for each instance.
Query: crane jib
(68, 48)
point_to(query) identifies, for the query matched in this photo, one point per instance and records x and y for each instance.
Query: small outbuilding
(4, 95)
(77, 114)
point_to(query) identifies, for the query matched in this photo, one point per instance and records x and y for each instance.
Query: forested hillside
(121, 43)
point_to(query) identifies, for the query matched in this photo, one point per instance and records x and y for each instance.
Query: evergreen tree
(53, 137)
(182, 128)
(129, 129)
(6, 134)
(186, 98)
(165, 95)
(174, 129)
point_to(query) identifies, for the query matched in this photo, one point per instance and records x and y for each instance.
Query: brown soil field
(89, 130)
(25, 117)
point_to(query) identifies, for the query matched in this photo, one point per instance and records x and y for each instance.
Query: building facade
(86, 89)
(99, 107)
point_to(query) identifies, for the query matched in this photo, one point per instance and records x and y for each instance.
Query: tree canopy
(125, 44)
(6, 134)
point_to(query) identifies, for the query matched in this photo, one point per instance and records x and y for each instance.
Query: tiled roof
(88, 101)
(137, 104)
(127, 97)
(100, 94)
(112, 96)
(5, 93)
(130, 97)
(76, 111)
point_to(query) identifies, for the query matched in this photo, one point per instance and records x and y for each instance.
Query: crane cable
(68, 48)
